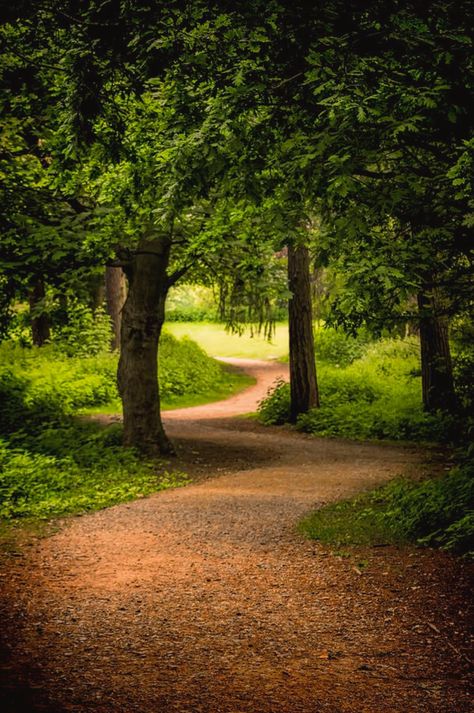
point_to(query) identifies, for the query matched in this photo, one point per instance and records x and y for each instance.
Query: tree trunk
(303, 382)
(115, 293)
(436, 366)
(96, 290)
(142, 319)
(40, 328)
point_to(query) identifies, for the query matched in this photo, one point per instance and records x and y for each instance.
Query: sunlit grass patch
(218, 342)
(436, 511)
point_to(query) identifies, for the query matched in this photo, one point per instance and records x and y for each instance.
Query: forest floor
(205, 599)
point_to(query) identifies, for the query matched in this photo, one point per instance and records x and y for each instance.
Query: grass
(351, 522)
(232, 383)
(53, 463)
(436, 511)
(216, 341)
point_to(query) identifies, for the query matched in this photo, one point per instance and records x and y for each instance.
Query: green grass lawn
(217, 342)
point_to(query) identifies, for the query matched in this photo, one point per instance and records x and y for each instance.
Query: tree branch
(177, 275)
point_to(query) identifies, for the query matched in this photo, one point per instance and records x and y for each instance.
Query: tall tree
(436, 365)
(337, 107)
(142, 321)
(303, 382)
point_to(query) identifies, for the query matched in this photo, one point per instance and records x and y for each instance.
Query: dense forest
(236, 255)
(320, 154)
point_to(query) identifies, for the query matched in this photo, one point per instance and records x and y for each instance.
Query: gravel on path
(205, 599)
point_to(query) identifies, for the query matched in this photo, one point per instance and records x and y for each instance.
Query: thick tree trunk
(142, 319)
(40, 328)
(303, 382)
(115, 293)
(436, 366)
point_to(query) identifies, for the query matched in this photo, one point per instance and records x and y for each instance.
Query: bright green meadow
(219, 342)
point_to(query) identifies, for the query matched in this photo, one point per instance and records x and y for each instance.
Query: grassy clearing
(216, 341)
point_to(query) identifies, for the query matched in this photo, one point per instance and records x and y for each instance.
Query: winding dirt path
(206, 600)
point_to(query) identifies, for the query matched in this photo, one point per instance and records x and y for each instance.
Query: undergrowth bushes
(84, 473)
(185, 368)
(51, 462)
(437, 512)
(336, 347)
(377, 396)
(47, 379)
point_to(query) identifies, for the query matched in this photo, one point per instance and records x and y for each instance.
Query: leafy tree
(402, 125)
(45, 240)
(336, 108)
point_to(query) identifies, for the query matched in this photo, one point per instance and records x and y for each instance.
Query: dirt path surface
(206, 600)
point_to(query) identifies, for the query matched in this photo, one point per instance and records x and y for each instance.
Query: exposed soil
(205, 599)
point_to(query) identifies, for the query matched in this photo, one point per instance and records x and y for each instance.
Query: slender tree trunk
(96, 290)
(303, 381)
(115, 292)
(40, 328)
(142, 319)
(412, 327)
(436, 366)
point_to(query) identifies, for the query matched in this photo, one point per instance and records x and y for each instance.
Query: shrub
(336, 347)
(377, 396)
(275, 407)
(87, 332)
(463, 372)
(185, 368)
(192, 314)
(19, 411)
(437, 512)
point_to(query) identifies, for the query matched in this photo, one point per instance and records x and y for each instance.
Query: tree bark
(303, 381)
(436, 367)
(40, 328)
(115, 295)
(143, 315)
(96, 290)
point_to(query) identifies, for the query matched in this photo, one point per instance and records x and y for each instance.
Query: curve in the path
(205, 600)
(265, 373)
